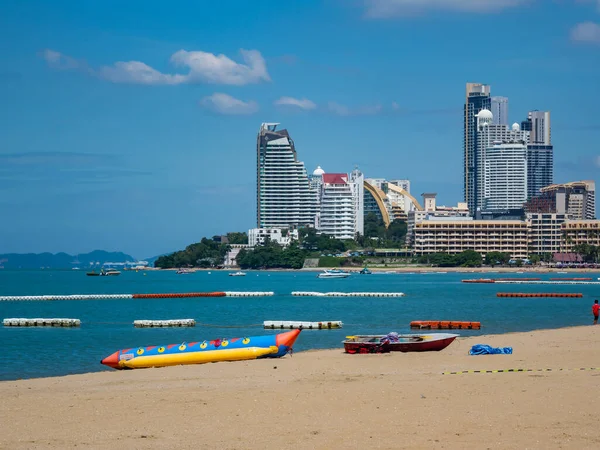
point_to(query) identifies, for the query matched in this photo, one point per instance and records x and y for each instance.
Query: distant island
(62, 260)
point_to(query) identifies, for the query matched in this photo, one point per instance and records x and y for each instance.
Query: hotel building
(482, 236)
(340, 206)
(284, 196)
(505, 177)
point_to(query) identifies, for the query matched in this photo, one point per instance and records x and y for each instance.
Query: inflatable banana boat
(236, 349)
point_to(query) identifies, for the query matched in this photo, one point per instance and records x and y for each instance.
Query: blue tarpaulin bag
(482, 349)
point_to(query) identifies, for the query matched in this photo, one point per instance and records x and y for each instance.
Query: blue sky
(132, 125)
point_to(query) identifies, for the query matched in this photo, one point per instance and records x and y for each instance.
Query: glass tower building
(283, 192)
(477, 98)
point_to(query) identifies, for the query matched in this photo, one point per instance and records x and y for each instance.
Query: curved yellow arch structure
(379, 197)
(399, 190)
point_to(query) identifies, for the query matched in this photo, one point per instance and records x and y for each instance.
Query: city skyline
(116, 135)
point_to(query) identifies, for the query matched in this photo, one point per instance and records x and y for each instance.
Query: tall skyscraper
(500, 110)
(540, 151)
(505, 182)
(340, 215)
(477, 98)
(540, 168)
(489, 134)
(284, 196)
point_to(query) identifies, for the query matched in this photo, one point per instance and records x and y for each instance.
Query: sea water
(107, 325)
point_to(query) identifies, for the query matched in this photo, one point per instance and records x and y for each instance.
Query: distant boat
(365, 271)
(237, 274)
(104, 273)
(184, 271)
(333, 273)
(75, 268)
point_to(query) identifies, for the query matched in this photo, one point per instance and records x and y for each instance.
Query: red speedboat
(394, 342)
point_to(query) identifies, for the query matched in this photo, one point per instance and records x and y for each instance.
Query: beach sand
(326, 400)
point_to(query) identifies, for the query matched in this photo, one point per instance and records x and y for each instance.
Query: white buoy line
(347, 294)
(292, 325)
(39, 322)
(164, 323)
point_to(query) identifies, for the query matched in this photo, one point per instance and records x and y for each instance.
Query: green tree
(237, 238)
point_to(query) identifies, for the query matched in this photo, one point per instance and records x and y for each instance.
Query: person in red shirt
(595, 311)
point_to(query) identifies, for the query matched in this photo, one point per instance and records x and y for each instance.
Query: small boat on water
(184, 271)
(104, 273)
(236, 349)
(394, 342)
(238, 274)
(365, 271)
(334, 273)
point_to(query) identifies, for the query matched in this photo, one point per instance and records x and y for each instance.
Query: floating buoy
(292, 325)
(164, 323)
(56, 322)
(348, 294)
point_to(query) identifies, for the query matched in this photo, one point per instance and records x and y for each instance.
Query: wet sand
(326, 400)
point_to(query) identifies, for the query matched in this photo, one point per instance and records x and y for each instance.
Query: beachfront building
(432, 211)
(284, 195)
(454, 236)
(578, 232)
(339, 206)
(505, 176)
(545, 232)
(282, 236)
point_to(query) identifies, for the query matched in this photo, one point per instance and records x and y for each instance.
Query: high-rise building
(577, 199)
(540, 151)
(489, 134)
(477, 98)
(541, 132)
(338, 214)
(284, 196)
(358, 181)
(499, 108)
(505, 181)
(540, 168)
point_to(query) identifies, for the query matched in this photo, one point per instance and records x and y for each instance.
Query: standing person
(595, 311)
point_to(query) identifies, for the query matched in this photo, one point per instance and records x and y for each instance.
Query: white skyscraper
(489, 134)
(284, 196)
(505, 181)
(499, 107)
(337, 217)
(541, 132)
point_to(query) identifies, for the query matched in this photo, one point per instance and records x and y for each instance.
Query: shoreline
(327, 399)
(410, 269)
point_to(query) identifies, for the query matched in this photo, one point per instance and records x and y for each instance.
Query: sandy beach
(326, 400)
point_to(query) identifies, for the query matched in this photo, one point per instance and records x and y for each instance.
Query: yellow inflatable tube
(234, 354)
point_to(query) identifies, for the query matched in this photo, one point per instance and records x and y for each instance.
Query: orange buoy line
(517, 279)
(570, 279)
(445, 325)
(181, 295)
(537, 294)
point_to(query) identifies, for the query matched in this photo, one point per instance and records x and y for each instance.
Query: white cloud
(202, 67)
(394, 8)
(226, 104)
(586, 32)
(343, 110)
(300, 103)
